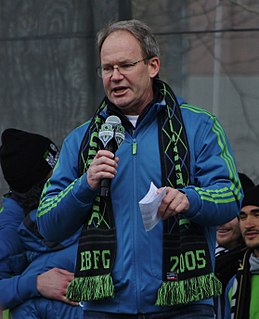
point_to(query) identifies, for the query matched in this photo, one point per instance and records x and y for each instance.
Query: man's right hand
(53, 283)
(104, 165)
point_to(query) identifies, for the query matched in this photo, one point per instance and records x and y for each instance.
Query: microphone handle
(105, 187)
(106, 182)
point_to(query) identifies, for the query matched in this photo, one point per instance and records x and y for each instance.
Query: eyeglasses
(107, 70)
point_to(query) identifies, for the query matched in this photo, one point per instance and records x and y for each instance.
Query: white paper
(149, 205)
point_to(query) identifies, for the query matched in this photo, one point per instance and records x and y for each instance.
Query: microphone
(112, 135)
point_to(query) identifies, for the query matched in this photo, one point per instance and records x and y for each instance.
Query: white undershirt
(133, 119)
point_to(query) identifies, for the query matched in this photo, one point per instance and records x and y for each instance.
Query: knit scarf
(187, 268)
(227, 264)
(240, 300)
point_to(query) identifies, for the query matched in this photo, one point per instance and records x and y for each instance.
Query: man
(242, 290)
(124, 271)
(230, 250)
(228, 234)
(34, 274)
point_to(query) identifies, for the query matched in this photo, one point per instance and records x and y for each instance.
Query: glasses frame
(101, 74)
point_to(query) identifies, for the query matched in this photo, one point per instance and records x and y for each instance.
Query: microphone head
(112, 128)
(113, 120)
(119, 130)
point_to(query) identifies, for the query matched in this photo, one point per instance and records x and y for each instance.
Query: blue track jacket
(214, 193)
(11, 247)
(18, 287)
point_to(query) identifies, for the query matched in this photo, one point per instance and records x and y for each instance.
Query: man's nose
(116, 72)
(250, 222)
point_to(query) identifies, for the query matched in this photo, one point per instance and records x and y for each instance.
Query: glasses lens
(99, 71)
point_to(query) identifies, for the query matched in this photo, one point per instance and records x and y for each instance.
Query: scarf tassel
(190, 290)
(90, 288)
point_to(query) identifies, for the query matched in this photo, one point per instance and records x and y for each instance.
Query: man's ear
(154, 66)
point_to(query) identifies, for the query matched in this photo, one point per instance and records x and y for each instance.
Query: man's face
(228, 235)
(131, 91)
(249, 226)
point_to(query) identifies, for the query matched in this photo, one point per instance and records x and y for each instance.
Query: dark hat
(26, 158)
(251, 197)
(245, 181)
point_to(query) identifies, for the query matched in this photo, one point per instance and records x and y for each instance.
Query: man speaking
(166, 272)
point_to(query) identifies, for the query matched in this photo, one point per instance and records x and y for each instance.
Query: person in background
(124, 270)
(229, 251)
(34, 274)
(242, 290)
(229, 235)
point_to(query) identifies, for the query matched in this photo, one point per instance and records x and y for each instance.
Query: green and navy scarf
(187, 269)
(240, 300)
